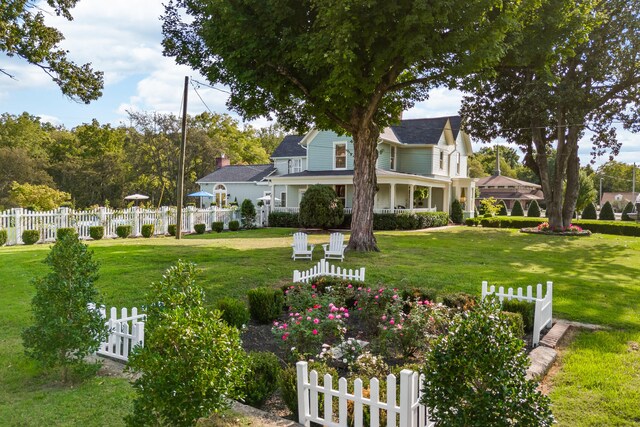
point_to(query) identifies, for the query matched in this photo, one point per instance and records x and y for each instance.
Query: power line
(201, 100)
(209, 86)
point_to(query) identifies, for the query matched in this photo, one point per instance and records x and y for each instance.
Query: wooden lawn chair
(301, 248)
(335, 248)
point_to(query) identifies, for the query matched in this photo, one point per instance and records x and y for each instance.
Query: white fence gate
(323, 268)
(543, 309)
(408, 412)
(125, 332)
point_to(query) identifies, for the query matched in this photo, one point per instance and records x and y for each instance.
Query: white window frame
(283, 199)
(441, 159)
(335, 145)
(220, 195)
(393, 158)
(295, 165)
(343, 198)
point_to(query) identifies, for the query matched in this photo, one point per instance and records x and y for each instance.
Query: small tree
(457, 215)
(248, 214)
(503, 208)
(475, 375)
(38, 197)
(517, 209)
(627, 210)
(192, 362)
(489, 206)
(534, 210)
(606, 213)
(590, 212)
(65, 329)
(321, 207)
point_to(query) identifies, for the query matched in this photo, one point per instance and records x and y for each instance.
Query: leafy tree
(476, 168)
(534, 209)
(626, 211)
(590, 212)
(573, 67)
(517, 209)
(65, 329)
(192, 362)
(24, 34)
(330, 64)
(489, 206)
(37, 197)
(475, 375)
(586, 193)
(616, 177)
(321, 207)
(457, 215)
(606, 213)
(18, 166)
(248, 214)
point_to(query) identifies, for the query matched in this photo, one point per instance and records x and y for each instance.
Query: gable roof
(238, 173)
(425, 131)
(501, 181)
(290, 147)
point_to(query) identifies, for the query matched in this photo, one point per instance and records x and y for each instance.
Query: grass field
(596, 280)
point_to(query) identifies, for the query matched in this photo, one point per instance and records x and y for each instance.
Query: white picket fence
(543, 309)
(323, 268)
(15, 221)
(407, 412)
(125, 332)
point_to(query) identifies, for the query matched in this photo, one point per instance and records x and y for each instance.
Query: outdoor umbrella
(200, 194)
(137, 197)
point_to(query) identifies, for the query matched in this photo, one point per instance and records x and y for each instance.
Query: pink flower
(284, 337)
(376, 297)
(309, 318)
(384, 317)
(331, 317)
(338, 317)
(316, 321)
(349, 286)
(314, 332)
(346, 315)
(392, 322)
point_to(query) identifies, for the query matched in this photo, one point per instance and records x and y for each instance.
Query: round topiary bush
(29, 237)
(265, 304)
(234, 311)
(147, 230)
(590, 212)
(320, 207)
(171, 229)
(262, 380)
(217, 226)
(502, 206)
(626, 211)
(457, 215)
(234, 225)
(606, 213)
(123, 231)
(200, 228)
(96, 232)
(534, 210)
(64, 231)
(248, 214)
(517, 209)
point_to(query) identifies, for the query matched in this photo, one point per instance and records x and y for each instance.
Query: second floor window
(393, 158)
(295, 165)
(441, 160)
(340, 156)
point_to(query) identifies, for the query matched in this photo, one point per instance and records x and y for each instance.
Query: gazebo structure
(509, 189)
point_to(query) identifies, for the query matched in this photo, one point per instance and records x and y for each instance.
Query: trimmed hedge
(64, 231)
(622, 228)
(123, 231)
(29, 237)
(381, 222)
(457, 215)
(606, 213)
(589, 211)
(284, 219)
(524, 308)
(217, 226)
(200, 228)
(262, 378)
(517, 209)
(515, 323)
(3, 237)
(172, 229)
(234, 311)
(265, 304)
(234, 225)
(96, 232)
(147, 230)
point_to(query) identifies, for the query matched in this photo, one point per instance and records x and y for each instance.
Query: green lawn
(596, 280)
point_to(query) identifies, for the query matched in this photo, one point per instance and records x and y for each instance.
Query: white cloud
(441, 102)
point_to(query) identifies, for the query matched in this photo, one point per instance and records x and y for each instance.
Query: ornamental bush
(407, 222)
(234, 225)
(517, 209)
(96, 232)
(29, 237)
(515, 322)
(457, 215)
(589, 211)
(475, 375)
(63, 231)
(626, 211)
(233, 311)
(534, 210)
(123, 231)
(265, 304)
(3, 237)
(459, 300)
(502, 208)
(65, 330)
(320, 207)
(200, 228)
(147, 230)
(606, 213)
(217, 226)
(284, 219)
(248, 214)
(385, 221)
(192, 362)
(172, 229)
(262, 377)
(526, 309)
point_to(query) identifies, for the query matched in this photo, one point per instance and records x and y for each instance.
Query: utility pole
(183, 149)
(600, 198)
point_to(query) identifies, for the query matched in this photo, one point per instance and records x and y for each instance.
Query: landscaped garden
(595, 281)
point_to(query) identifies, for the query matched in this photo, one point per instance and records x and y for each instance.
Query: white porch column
(286, 191)
(392, 196)
(429, 198)
(446, 198)
(273, 190)
(411, 190)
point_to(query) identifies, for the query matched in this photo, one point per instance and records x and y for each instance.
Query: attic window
(340, 155)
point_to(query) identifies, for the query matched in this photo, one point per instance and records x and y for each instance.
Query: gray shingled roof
(290, 147)
(238, 173)
(425, 131)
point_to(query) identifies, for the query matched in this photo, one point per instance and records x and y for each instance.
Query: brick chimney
(222, 161)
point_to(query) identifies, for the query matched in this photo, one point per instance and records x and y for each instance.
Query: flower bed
(545, 228)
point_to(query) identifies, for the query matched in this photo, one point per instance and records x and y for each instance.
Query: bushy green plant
(406, 221)
(489, 206)
(534, 209)
(123, 231)
(66, 328)
(590, 212)
(65, 230)
(457, 215)
(491, 222)
(3, 237)
(476, 375)
(284, 219)
(288, 385)
(265, 304)
(526, 309)
(29, 237)
(217, 226)
(96, 232)
(432, 219)
(626, 211)
(248, 214)
(234, 311)
(262, 377)
(606, 213)
(385, 221)
(147, 230)
(459, 300)
(320, 207)
(515, 323)
(517, 209)
(234, 225)
(192, 362)
(200, 228)
(470, 222)
(502, 208)
(172, 229)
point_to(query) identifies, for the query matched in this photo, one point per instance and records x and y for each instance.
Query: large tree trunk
(573, 178)
(365, 141)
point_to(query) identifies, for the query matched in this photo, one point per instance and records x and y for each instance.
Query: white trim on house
(346, 156)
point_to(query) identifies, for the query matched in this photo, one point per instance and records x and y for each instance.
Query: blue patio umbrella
(200, 194)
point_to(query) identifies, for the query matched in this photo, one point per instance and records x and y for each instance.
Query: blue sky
(122, 38)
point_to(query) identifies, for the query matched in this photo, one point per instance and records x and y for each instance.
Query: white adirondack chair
(335, 248)
(301, 248)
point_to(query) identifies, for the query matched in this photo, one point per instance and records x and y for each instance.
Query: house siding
(384, 156)
(414, 160)
(320, 151)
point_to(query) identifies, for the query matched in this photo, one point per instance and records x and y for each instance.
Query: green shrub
(590, 212)
(432, 219)
(65, 330)
(428, 294)
(123, 231)
(29, 237)
(217, 226)
(346, 222)
(234, 311)
(288, 386)
(459, 300)
(284, 219)
(320, 207)
(248, 214)
(192, 363)
(96, 232)
(626, 211)
(63, 231)
(265, 304)
(491, 222)
(622, 228)
(526, 309)
(385, 222)
(471, 222)
(502, 208)
(457, 215)
(476, 375)
(606, 213)
(147, 230)
(534, 210)
(234, 225)
(517, 222)
(515, 323)
(262, 377)
(517, 209)
(3, 237)
(172, 229)
(407, 221)
(200, 228)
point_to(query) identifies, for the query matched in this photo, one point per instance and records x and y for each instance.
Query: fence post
(17, 212)
(302, 370)
(550, 296)
(406, 385)
(484, 288)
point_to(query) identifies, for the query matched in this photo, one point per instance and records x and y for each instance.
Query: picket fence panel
(323, 268)
(543, 304)
(125, 332)
(353, 407)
